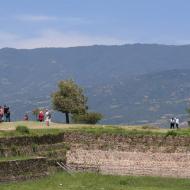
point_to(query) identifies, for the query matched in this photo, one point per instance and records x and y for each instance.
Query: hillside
(129, 84)
(123, 150)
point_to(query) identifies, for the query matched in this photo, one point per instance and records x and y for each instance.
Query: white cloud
(53, 38)
(45, 18)
(36, 18)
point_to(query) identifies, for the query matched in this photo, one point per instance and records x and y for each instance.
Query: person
(1, 113)
(8, 116)
(26, 118)
(41, 116)
(48, 117)
(6, 113)
(172, 123)
(177, 123)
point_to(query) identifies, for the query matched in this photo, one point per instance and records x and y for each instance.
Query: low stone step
(12, 170)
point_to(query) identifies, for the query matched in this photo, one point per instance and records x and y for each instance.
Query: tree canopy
(69, 99)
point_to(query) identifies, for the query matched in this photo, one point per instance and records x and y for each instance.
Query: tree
(69, 99)
(88, 118)
(188, 111)
(35, 112)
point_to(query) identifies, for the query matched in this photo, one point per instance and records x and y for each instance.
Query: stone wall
(23, 169)
(34, 150)
(29, 140)
(130, 155)
(131, 163)
(105, 153)
(131, 143)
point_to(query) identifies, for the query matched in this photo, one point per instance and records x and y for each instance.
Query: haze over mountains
(132, 84)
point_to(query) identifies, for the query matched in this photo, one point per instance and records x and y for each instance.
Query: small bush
(22, 129)
(171, 133)
(87, 118)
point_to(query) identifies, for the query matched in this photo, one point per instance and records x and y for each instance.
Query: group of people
(174, 122)
(5, 114)
(46, 116)
(42, 116)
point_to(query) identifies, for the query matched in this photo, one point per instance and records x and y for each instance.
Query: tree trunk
(67, 117)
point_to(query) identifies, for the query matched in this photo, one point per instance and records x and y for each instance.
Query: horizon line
(125, 44)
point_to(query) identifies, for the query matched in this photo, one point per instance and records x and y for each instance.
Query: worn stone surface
(130, 155)
(34, 150)
(23, 169)
(131, 163)
(129, 143)
(105, 153)
(27, 140)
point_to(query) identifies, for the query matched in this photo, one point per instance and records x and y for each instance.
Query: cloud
(45, 18)
(53, 38)
(36, 18)
(76, 20)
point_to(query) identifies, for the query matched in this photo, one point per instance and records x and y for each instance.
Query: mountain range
(128, 84)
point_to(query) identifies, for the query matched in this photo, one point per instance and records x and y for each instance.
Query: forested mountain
(137, 83)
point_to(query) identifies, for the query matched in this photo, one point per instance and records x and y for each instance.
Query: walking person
(177, 123)
(48, 117)
(172, 123)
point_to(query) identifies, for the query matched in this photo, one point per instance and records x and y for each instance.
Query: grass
(15, 158)
(32, 132)
(91, 181)
(38, 129)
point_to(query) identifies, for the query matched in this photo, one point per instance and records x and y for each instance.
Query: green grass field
(90, 181)
(37, 129)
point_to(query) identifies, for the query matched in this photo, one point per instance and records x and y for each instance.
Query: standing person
(41, 116)
(8, 116)
(6, 110)
(172, 123)
(177, 123)
(1, 113)
(26, 118)
(48, 117)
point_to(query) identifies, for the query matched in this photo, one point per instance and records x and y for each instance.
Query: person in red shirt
(41, 116)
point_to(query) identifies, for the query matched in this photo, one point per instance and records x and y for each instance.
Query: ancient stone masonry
(131, 142)
(105, 153)
(131, 163)
(23, 169)
(31, 157)
(130, 155)
(27, 140)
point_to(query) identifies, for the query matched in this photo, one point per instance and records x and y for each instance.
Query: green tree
(69, 99)
(35, 112)
(188, 111)
(88, 118)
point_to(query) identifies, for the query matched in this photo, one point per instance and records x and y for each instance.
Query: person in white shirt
(177, 122)
(48, 117)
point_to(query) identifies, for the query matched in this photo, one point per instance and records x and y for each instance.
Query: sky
(69, 23)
